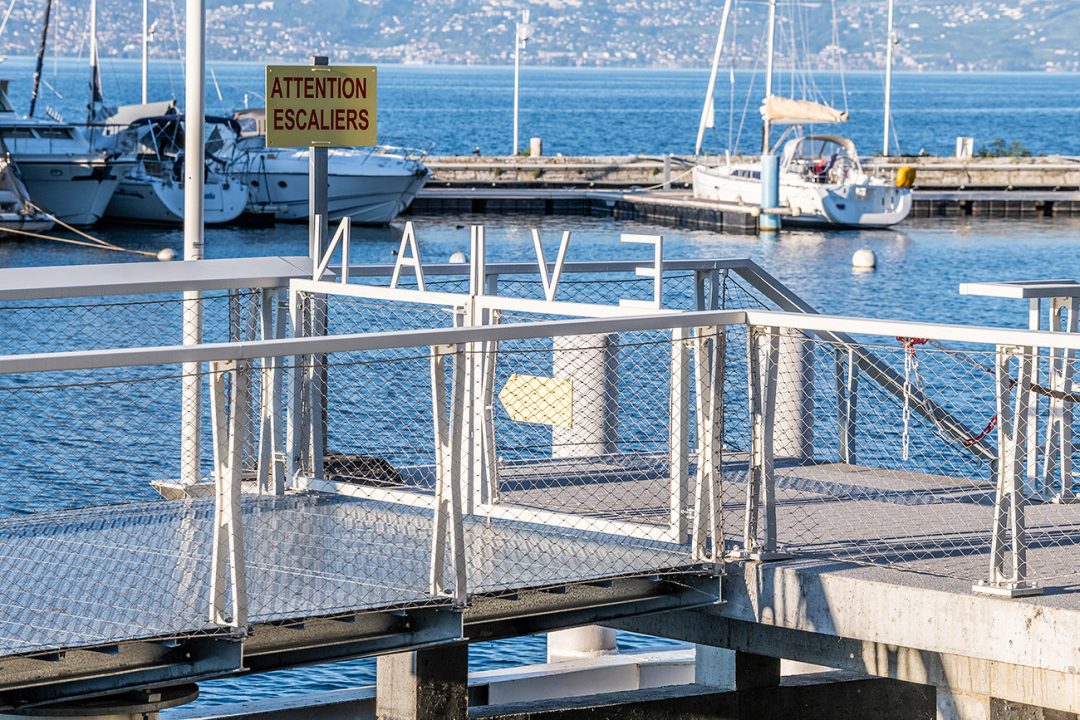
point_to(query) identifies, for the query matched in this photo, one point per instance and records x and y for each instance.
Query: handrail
(329, 344)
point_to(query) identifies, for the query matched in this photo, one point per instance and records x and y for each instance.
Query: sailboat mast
(765, 144)
(707, 110)
(145, 47)
(96, 99)
(890, 42)
(40, 57)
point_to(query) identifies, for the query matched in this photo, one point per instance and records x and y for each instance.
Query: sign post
(320, 106)
(318, 188)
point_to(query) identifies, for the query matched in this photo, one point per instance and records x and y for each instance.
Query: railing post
(709, 364)
(1009, 537)
(679, 434)
(270, 461)
(228, 585)
(1057, 477)
(448, 531)
(847, 381)
(763, 358)
(297, 424)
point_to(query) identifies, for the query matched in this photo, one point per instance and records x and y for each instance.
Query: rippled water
(604, 111)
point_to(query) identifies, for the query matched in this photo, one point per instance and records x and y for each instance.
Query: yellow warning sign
(543, 400)
(320, 105)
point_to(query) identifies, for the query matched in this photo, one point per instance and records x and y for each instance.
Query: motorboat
(370, 185)
(17, 213)
(64, 174)
(153, 189)
(822, 183)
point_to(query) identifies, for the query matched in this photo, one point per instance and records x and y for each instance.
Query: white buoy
(459, 258)
(864, 259)
(166, 254)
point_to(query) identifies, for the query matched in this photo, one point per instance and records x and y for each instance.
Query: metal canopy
(1023, 289)
(146, 277)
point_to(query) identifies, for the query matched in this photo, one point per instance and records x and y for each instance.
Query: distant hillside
(933, 35)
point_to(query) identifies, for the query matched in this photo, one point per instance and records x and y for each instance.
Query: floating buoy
(166, 254)
(459, 258)
(864, 259)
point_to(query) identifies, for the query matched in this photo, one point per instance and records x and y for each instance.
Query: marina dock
(678, 208)
(391, 470)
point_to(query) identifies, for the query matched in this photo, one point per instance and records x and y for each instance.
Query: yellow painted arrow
(543, 400)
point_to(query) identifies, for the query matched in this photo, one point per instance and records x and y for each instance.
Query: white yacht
(64, 175)
(370, 185)
(153, 189)
(822, 183)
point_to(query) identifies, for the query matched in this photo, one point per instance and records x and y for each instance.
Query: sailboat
(821, 181)
(62, 170)
(153, 190)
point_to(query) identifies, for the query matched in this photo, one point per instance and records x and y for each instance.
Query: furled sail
(785, 111)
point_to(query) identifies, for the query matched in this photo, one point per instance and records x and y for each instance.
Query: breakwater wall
(933, 173)
(657, 188)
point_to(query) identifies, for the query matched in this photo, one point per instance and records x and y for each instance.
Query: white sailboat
(153, 190)
(370, 185)
(821, 181)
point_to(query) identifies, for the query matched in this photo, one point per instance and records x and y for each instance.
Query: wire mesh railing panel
(584, 458)
(70, 324)
(887, 453)
(379, 419)
(90, 552)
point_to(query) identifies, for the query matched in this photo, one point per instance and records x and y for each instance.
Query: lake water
(599, 111)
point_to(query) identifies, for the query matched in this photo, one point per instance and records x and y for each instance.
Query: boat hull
(153, 200)
(75, 190)
(24, 223)
(370, 189)
(857, 205)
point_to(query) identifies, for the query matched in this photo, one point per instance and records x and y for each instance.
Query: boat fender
(905, 176)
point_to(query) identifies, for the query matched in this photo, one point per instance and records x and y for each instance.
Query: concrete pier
(423, 685)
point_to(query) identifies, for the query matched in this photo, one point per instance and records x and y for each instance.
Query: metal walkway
(460, 464)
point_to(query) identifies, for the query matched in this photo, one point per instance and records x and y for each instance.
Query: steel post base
(1007, 589)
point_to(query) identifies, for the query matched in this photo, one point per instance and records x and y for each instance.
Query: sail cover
(785, 111)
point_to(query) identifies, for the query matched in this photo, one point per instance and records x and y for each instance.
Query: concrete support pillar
(423, 685)
(714, 666)
(794, 424)
(583, 642)
(591, 363)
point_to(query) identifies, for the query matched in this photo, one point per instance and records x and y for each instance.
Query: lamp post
(521, 36)
(890, 45)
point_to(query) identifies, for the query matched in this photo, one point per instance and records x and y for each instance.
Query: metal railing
(526, 443)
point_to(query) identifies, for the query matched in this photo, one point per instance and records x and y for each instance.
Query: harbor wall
(932, 173)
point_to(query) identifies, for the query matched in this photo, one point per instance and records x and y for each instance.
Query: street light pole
(521, 35)
(890, 43)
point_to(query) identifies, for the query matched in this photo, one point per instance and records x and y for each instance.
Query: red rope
(910, 343)
(986, 431)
